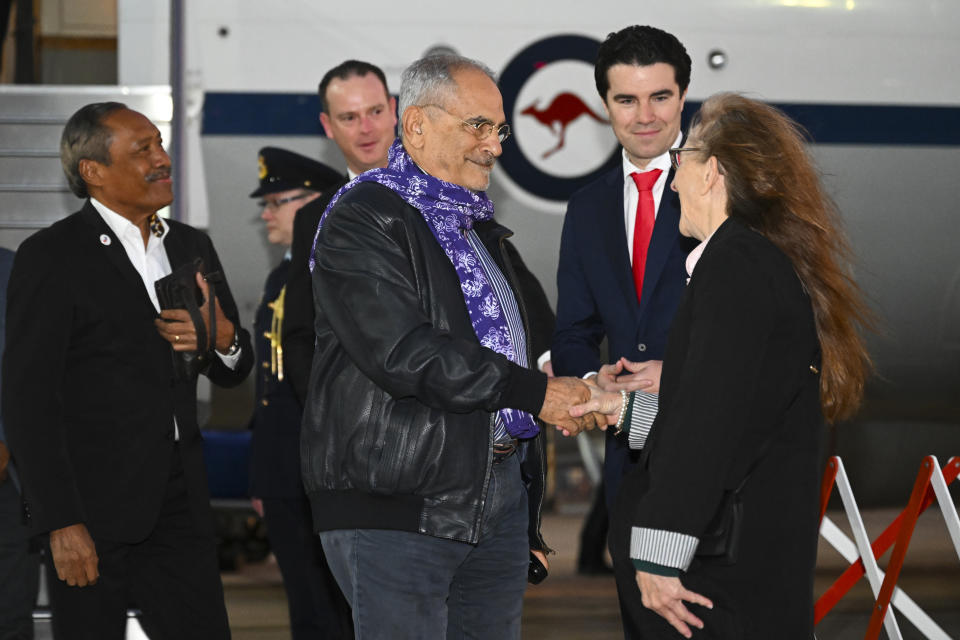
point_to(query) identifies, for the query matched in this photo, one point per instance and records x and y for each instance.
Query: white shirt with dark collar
(150, 261)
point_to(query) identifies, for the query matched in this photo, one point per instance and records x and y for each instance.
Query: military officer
(288, 181)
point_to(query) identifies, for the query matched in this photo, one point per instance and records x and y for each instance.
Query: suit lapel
(112, 249)
(666, 228)
(614, 235)
(177, 253)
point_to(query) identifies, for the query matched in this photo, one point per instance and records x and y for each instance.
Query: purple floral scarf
(448, 208)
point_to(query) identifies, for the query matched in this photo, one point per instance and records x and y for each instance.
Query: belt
(503, 450)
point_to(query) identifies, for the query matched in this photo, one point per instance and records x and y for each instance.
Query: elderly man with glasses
(422, 455)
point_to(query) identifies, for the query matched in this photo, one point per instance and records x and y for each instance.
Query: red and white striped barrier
(931, 484)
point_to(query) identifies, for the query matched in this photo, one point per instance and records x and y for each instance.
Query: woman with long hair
(715, 534)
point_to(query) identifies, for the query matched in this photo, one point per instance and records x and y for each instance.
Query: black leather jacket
(397, 430)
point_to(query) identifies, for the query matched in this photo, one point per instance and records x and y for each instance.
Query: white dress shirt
(150, 261)
(631, 195)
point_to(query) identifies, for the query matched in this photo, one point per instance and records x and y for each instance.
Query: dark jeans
(317, 608)
(173, 577)
(19, 569)
(408, 585)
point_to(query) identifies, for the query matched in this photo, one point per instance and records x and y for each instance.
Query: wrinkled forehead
(126, 125)
(355, 92)
(476, 95)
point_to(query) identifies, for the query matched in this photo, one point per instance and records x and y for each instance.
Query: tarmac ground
(568, 606)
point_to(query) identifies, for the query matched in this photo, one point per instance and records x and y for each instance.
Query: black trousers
(317, 607)
(19, 568)
(172, 577)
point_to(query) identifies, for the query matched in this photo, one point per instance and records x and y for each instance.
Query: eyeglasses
(273, 205)
(675, 154)
(480, 129)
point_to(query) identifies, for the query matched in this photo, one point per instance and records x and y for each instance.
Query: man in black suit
(361, 116)
(103, 429)
(317, 608)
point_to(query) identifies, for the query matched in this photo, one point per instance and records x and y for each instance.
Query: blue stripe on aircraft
(295, 114)
(877, 124)
(261, 114)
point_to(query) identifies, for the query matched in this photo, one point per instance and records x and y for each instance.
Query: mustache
(159, 174)
(487, 160)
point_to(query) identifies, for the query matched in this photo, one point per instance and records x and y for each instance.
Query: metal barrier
(931, 484)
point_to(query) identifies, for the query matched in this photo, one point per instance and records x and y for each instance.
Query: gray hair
(430, 80)
(86, 138)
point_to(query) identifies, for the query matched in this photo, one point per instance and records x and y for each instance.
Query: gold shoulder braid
(275, 335)
(156, 226)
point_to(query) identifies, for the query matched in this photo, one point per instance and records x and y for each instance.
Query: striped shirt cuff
(667, 548)
(643, 410)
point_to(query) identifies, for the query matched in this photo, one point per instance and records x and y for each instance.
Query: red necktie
(643, 227)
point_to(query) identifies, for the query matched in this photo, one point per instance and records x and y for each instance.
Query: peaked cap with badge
(282, 170)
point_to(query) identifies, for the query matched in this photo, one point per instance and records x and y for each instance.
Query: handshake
(575, 405)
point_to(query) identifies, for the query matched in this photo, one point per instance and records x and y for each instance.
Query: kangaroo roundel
(562, 139)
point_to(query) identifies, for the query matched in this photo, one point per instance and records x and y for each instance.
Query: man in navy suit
(642, 74)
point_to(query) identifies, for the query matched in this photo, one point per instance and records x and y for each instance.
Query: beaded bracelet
(618, 428)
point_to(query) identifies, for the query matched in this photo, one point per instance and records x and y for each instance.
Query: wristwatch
(235, 345)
